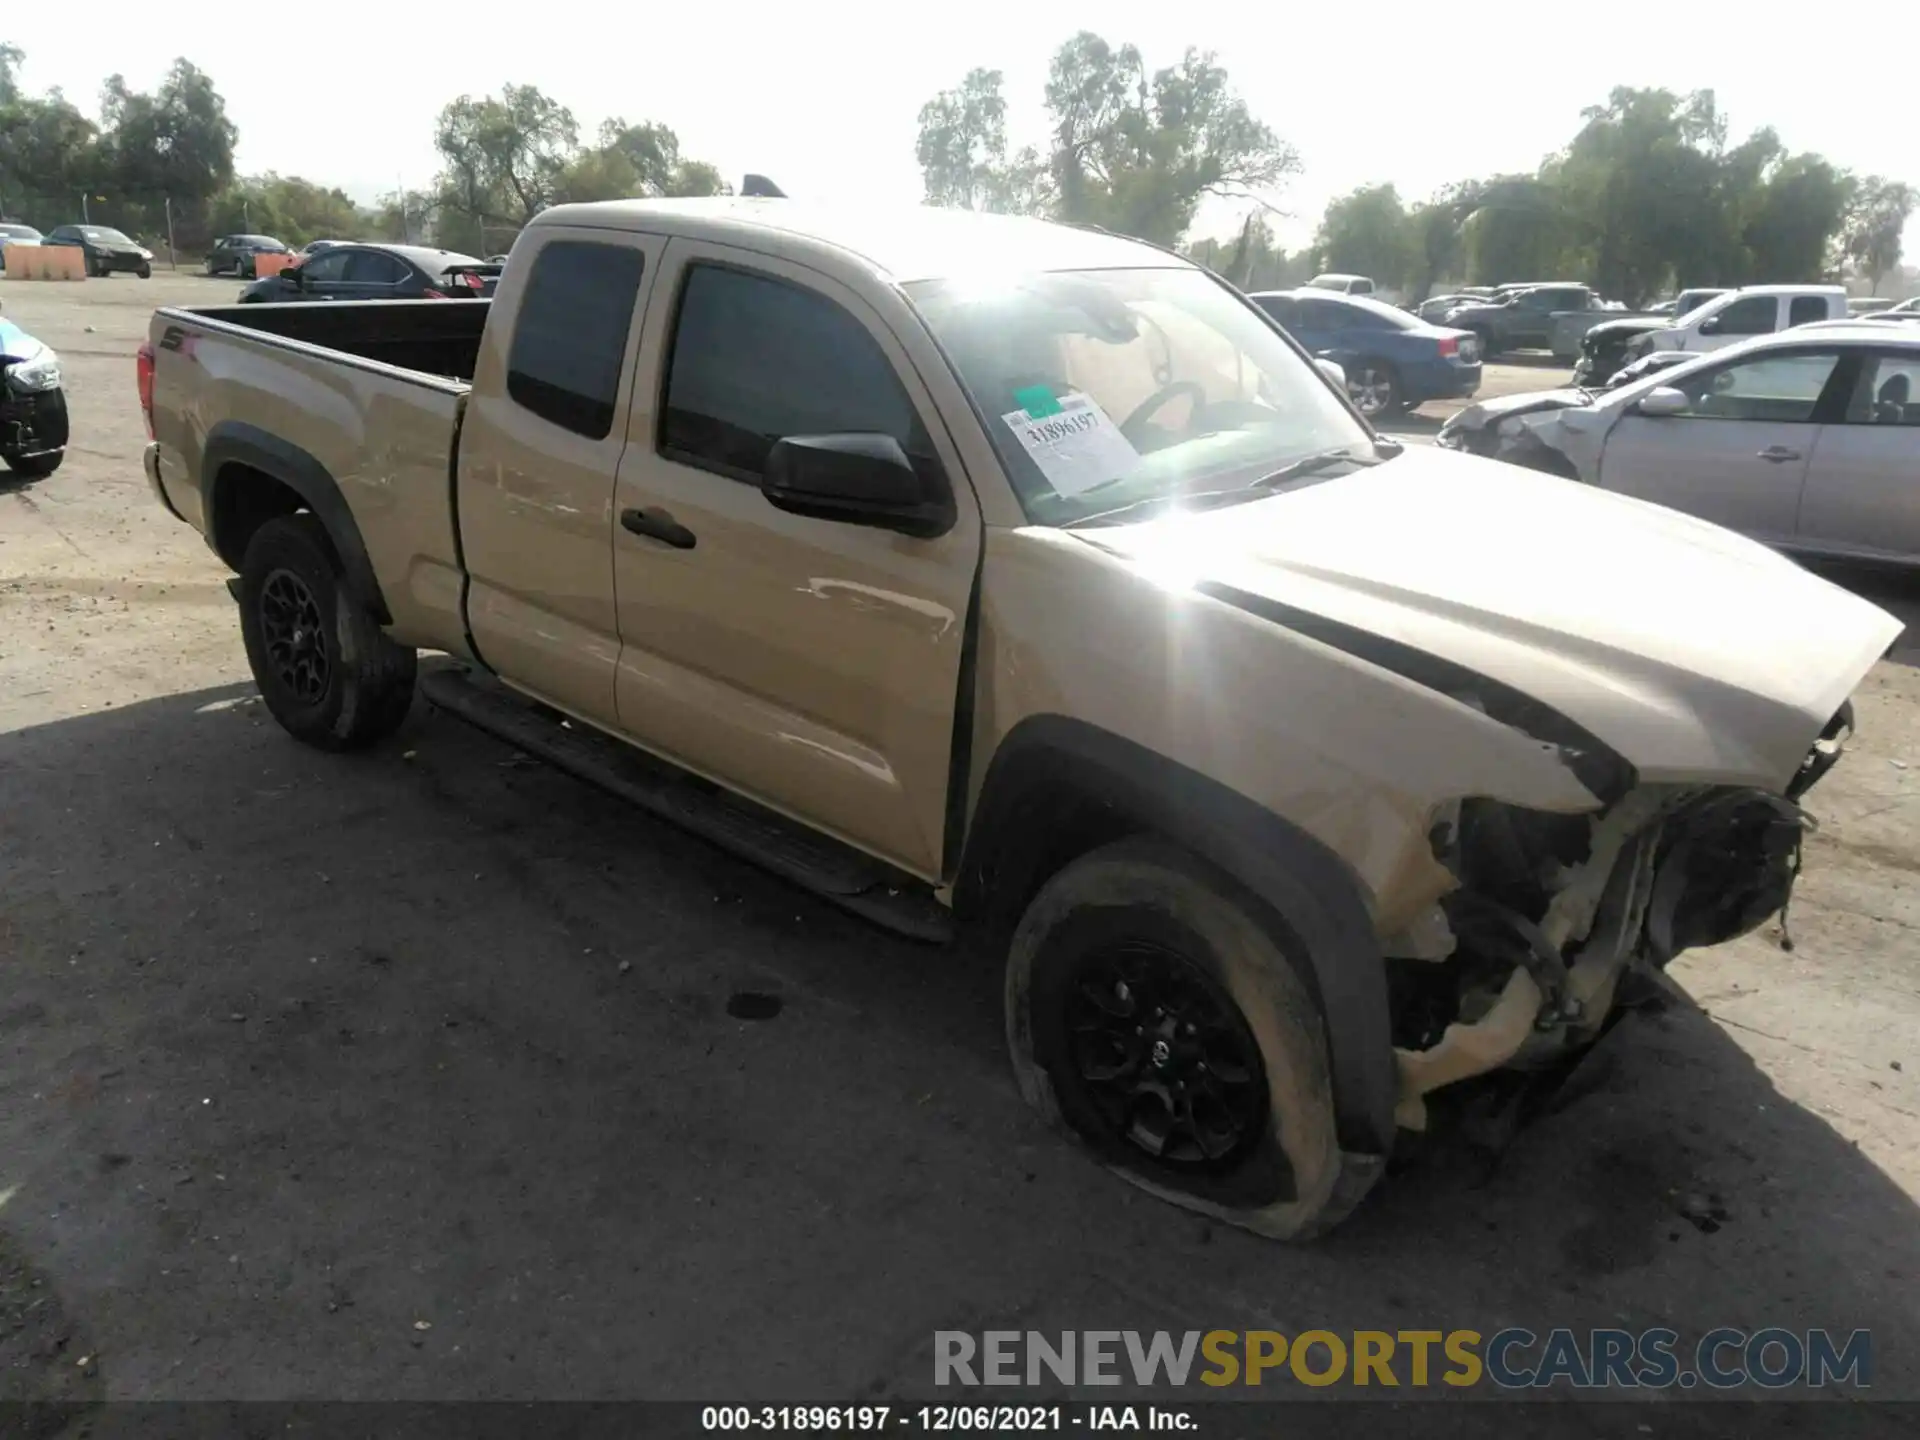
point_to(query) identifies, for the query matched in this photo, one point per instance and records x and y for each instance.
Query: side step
(836, 872)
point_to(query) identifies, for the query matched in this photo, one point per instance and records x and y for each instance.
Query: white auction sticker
(1076, 447)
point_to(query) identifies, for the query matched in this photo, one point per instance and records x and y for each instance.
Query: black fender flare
(1315, 894)
(235, 442)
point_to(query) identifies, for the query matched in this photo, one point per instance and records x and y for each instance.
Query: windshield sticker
(1076, 448)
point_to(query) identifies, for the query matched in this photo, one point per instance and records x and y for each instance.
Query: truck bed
(348, 408)
(435, 337)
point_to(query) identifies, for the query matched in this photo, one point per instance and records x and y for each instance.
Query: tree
(1517, 231)
(505, 155)
(285, 207)
(1437, 237)
(1127, 151)
(1367, 233)
(11, 59)
(962, 150)
(176, 143)
(637, 160)
(1870, 230)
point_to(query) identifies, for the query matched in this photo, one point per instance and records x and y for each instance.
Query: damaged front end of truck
(1557, 918)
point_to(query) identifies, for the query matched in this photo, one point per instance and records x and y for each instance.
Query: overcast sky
(823, 96)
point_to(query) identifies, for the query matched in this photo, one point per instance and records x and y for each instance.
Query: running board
(836, 872)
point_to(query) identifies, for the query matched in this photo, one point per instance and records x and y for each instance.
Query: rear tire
(1374, 389)
(1487, 348)
(1225, 1070)
(328, 673)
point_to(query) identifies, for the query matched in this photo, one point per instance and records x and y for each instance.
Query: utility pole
(85, 218)
(173, 255)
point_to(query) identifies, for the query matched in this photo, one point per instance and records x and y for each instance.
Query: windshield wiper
(1307, 465)
(1200, 500)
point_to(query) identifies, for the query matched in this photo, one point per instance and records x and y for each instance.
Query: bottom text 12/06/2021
(946, 1419)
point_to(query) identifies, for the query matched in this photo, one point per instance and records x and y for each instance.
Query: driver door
(1738, 455)
(810, 664)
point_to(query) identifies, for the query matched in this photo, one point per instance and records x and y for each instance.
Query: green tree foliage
(1251, 259)
(1368, 232)
(175, 143)
(1877, 211)
(287, 208)
(508, 157)
(1128, 151)
(962, 150)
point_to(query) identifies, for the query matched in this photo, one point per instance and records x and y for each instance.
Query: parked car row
(339, 270)
(1807, 439)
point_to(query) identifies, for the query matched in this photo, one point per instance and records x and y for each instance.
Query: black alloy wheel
(296, 640)
(1158, 1056)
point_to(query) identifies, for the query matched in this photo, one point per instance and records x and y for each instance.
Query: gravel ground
(413, 1075)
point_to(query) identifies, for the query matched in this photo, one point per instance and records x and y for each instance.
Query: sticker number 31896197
(1076, 446)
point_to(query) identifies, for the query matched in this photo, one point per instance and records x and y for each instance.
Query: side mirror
(1334, 372)
(1710, 325)
(858, 479)
(1663, 400)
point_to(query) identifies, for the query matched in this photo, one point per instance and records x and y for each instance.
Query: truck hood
(1625, 329)
(1696, 655)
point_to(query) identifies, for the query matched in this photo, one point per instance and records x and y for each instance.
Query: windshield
(1105, 388)
(112, 237)
(19, 232)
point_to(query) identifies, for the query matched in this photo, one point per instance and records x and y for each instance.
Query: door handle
(658, 525)
(1779, 454)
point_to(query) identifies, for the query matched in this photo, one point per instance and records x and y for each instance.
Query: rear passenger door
(810, 664)
(1863, 478)
(539, 449)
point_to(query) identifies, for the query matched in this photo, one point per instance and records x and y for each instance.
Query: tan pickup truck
(979, 573)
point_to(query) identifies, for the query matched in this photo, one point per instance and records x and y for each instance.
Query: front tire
(324, 667)
(34, 467)
(1156, 1014)
(145, 272)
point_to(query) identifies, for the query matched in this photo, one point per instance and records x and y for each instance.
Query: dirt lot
(413, 1075)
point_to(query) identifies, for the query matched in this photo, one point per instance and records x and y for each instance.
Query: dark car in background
(1394, 360)
(235, 253)
(377, 272)
(33, 407)
(106, 249)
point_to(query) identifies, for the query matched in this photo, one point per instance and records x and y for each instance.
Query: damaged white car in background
(1807, 440)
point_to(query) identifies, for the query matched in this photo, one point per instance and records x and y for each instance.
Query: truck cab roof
(906, 243)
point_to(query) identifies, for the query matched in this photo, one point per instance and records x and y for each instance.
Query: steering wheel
(1152, 404)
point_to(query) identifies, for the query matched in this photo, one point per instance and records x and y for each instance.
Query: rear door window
(570, 335)
(1806, 309)
(372, 267)
(1750, 315)
(756, 359)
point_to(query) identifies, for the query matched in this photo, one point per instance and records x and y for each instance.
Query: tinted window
(326, 267)
(1805, 309)
(1778, 388)
(1324, 315)
(756, 359)
(1753, 315)
(570, 338)
(1887, 392)
(1285, 311)
(370, 267)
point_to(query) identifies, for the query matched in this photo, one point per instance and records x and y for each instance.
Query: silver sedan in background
(1808, 440)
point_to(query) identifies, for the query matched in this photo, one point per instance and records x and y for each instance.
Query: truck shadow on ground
(432, 1073)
